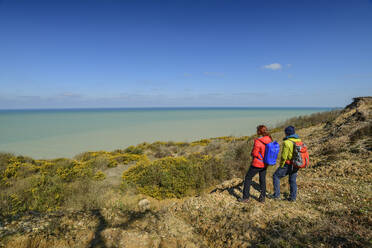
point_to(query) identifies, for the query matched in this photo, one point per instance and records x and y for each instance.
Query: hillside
(86, 202)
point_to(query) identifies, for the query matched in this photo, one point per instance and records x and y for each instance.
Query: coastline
(65, 133)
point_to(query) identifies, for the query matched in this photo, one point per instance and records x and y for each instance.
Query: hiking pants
(282, 172)
(248, 181)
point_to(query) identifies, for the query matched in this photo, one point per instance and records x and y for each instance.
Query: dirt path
(113, 175)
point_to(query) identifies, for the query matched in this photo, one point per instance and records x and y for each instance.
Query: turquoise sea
(65, 133)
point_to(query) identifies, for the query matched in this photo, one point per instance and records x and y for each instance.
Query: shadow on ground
(239, 187)
(98, 240)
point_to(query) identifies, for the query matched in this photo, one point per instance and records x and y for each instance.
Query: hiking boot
(261, 199)
(273, 197)
(291, 200)
(244, 200)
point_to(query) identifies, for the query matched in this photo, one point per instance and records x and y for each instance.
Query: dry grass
(311, 120)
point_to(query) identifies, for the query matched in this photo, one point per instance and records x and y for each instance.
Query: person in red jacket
(257, 165)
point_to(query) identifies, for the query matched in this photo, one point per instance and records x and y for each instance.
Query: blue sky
(110, 53)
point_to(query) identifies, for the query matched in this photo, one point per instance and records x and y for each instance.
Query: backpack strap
(261, 157)
(262, 142)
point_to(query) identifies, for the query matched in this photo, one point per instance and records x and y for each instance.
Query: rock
(144, 205)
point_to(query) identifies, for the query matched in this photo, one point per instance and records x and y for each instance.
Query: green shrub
(103, 162)
(99, 176)
(52, 166)
(134, 150)
(202, 142)
(47, 193)
(85, 156)
(127, 158)
(175, 177)
(4, 158)
(182, 144)
(15, 168)
(24, 159)
(76, 170)
(45, 185)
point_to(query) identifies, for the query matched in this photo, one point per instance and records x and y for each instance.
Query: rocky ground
(332, 209)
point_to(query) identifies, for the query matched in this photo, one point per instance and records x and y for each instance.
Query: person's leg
(263, 184)
(279, 173)
(248, 181)
(293, 184)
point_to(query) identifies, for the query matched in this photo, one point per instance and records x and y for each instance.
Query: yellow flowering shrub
(47, 193)
(232, 138)
(182, 144)
(17, 204)
(102, 160)
(85, 156)
(77, 169)
(126, 158)
(202, 142)
(16, 167)
(99, 176)
(171, 177)
(225, 138)
(134, 150)
(45, 184)
(11, 170)
(39, 185)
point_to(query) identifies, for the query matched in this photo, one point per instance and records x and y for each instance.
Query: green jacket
(287, 151)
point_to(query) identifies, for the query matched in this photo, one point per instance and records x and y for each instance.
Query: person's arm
(285, 153)
(256, 150)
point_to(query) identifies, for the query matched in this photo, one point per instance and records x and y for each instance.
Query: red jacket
(258, 150)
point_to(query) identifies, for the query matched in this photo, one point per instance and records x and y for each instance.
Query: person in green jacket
(286, 167)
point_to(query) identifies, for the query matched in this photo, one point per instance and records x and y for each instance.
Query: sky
(135, 53)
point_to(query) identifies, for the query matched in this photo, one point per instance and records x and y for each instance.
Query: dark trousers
(248, 181)
(292, 175)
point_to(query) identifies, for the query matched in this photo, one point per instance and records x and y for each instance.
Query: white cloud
(274, 66)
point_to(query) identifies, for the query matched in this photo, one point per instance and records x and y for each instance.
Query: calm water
(65, 133)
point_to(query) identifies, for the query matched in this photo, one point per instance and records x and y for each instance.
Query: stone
(144, 205)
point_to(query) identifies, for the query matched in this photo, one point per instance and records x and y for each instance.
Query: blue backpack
(271, 153)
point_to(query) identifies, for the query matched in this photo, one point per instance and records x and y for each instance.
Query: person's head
(289, 130)
(262, 130)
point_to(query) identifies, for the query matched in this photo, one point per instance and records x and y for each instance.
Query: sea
(54, 133)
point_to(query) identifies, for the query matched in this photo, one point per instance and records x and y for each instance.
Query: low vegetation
(176, 177)
(163, 170)
(49, 185)
(311, 120)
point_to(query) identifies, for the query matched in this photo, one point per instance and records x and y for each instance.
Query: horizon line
(174, 107)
